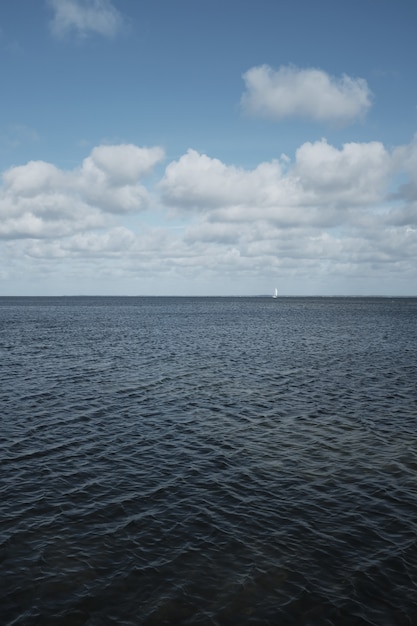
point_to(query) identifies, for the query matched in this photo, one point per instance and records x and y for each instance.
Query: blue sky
(208, 148)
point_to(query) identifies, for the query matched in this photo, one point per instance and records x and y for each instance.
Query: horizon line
(207, 296)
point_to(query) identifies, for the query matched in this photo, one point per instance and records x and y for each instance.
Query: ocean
(208, 461)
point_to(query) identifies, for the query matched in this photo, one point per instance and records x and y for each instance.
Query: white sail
(275, 293)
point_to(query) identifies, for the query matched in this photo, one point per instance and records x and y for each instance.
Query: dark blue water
(208, 461)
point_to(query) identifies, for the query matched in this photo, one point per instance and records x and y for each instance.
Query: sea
(208, 461)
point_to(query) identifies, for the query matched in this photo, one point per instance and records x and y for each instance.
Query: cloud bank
(339, 213)
(83, 17)
(306, 93)
(39, 200)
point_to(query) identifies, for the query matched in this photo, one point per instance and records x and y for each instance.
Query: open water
(208, 461)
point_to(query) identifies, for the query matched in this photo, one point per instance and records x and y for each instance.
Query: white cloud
(108, 177)
(114, 241)
(354, 175)
(308, 93)
(330, 212)
(199, 181)
(32, 179)
(319, 188)
(123, 164)
(83, 17)
(40, 200)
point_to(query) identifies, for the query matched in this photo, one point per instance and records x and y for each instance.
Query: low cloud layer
(307, 93)
(322, 178)
(348, 212)
(40, 200)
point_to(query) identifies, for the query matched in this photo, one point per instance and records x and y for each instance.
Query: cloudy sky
(187, 147)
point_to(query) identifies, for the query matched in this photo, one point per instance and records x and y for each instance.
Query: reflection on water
(208, 461)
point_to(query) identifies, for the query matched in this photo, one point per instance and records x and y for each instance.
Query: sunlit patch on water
(208, 461)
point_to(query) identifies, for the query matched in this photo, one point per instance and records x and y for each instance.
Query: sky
(195, 147)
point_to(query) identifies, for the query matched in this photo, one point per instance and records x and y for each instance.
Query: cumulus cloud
(356, 174)
(307, 93)
(322, 184)
(123, 164)
(108, 177)
(199, 181)
(82, 17)
(330, 208)
(40, 200)
(328, 211)
(32, 179)
(113, 242)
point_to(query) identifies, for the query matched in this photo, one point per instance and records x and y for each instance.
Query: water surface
(213, 461)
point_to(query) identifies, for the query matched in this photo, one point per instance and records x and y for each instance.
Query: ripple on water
(208, 461)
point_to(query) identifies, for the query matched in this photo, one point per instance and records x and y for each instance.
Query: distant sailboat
(275, 293)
